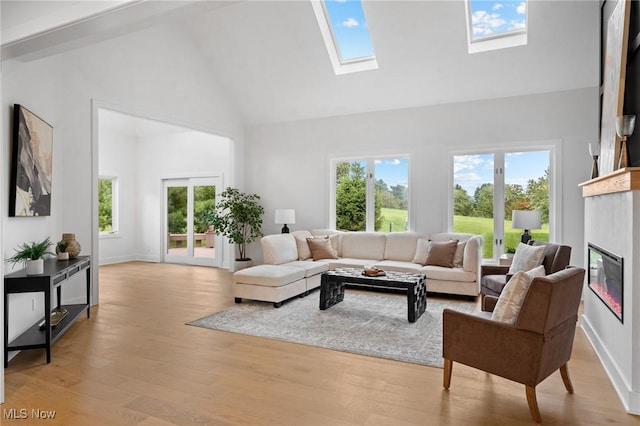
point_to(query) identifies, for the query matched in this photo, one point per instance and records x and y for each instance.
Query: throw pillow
(526, 258)
(303, 248)
(321, 248)
(457, 258)
(512, 297)
(441, 253)
(421, 252)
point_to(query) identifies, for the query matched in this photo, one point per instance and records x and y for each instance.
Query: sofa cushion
(459, 255)
(420, 254)
(440, 253)
(279, 248)
(493, 284)
(321, 248)
(398, 266)
(348, 262)
(269, 275)
(526, 258)
(401, 246)
(301, 244)
(363, 245)
(310, 268)
(448, 236)
(472, 257)
(512, 297)
(447, 274)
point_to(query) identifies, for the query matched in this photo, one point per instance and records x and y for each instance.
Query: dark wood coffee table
(333, 283)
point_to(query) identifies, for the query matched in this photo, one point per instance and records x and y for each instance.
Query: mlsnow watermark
(24, 414)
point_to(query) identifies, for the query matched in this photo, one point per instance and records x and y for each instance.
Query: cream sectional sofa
(289, 271)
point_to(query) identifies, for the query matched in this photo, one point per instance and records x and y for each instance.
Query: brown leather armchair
(493, 278)
(528, 351)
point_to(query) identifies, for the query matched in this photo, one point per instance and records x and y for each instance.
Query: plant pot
(63, 255)
(241, 264)
(35, 267)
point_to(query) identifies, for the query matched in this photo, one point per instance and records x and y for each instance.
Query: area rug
(364, 323)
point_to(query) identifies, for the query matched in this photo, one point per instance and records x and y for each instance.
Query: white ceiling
(271, 59)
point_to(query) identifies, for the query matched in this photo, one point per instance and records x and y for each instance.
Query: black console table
(56, 273)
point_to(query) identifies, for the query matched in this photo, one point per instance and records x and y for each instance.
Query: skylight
(346, 34)
(349, 27)
(495, 24)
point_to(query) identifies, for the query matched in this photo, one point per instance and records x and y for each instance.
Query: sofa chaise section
(282, 276)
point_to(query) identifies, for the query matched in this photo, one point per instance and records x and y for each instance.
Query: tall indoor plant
(237, 216)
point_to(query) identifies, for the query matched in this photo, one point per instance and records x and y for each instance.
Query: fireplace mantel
(627, 179)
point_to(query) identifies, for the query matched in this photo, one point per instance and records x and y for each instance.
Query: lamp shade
(525, 219)
(287, 216)
(625, 125)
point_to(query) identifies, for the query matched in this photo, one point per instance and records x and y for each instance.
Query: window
(370, 194)
(344, 29)
(496, 24)
(487, 187)
(107, 205)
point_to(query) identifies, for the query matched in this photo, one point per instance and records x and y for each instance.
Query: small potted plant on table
(61, 249)
(32, 255)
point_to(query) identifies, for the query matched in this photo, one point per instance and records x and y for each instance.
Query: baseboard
(129, 258)
(629, 398)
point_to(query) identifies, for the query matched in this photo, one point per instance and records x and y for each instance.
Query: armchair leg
(533, 404)
(564, 372)
(448, 365)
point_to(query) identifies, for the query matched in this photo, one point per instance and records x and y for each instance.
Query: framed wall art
(31, 165)
(615, 60)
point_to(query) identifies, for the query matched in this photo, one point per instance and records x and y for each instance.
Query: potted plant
(237, 216)
(509, 252)
(32, 255)
(61, 249)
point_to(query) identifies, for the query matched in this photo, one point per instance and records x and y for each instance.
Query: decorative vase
(35, 267)
(63, 255)
(73, 247)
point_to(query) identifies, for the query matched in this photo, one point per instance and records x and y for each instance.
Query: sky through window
(350, 30)
(494, 18)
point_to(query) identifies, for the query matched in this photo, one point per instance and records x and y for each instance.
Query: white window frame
(498, 41)
(555, 187)
(115, 230)
(339, 67)
(371, 188)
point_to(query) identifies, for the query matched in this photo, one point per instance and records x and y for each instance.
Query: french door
(489, 186)
(189, 238)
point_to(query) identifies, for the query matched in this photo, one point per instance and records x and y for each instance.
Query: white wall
(117, 157)
(155, 71)
(610, 223)
(191, 154)
(288, 163)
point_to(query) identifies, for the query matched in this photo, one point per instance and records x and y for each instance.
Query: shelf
(34, 337)
(627, 179)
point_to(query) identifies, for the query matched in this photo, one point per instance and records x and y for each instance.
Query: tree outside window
(372, 195)
(107, 202)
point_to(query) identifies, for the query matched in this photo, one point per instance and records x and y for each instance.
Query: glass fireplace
(606, 278)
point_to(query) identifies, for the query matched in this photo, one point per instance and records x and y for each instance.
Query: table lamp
(285, 216)
(527, 220)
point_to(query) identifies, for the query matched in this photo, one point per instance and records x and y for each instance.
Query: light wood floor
(135, 362)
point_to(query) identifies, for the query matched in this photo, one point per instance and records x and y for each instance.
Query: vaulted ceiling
(271, 59)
